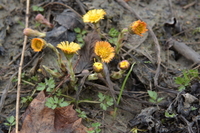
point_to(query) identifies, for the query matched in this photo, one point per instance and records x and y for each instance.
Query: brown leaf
(87, 52)
(40, 119)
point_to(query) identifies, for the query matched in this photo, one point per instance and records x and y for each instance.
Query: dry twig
(20, 69)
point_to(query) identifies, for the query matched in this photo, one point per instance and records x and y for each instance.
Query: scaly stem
(59, 60)
(120, 40)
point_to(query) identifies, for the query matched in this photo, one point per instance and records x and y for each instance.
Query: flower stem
(122, 88)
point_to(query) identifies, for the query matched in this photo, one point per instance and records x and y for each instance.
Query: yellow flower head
(138, 27)
(97, 67)
(94, 16)
(37, 44)
(69, 48)
(104, 50)
(124, 65)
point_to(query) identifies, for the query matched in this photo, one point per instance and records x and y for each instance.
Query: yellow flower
(94, 16)
(124, 65)
(69, 48)
(138, 27)
(37, 44)
(97, 67)
(104, 50)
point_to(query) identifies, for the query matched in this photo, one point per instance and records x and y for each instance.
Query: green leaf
(113, 32)
(160, 99)
(109, 103)
(181, 88)
(153, 94)
(103, 106)
(193, 108)
(91, 131)
(83, 32)
(11, 119)
(7, 124)
(169, 115)
(101, 97)
(80, 39)
(77, 30)
(41, 86)
(37, 8)
(179, 80)
(64, 104)
(97, 124)
(54, 106)
(152, 101)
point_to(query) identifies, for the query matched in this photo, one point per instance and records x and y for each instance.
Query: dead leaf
(87, 52)
(69, 20)
(40, 119)
(60, 34)
(64, 29)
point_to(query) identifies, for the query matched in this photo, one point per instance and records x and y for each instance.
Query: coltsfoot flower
(37, 44)
(124, 65)
(93, 16)
(104, 50)
(33, 33)
(98, 67)
(138, 27)
(69, 48)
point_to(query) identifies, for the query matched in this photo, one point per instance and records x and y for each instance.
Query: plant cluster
(103, 50)
(185, 80)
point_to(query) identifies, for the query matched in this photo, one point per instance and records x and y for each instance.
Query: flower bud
(124, 65)
(33, 33)
(98, 67)
(40, 18)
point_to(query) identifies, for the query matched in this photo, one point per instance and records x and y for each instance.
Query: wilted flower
(40, 18)
(94, 16)
(124, 65)
(31, 32)
(104, 50)
(69, 48)
(97, 67)
(138, 27)
(37, 44)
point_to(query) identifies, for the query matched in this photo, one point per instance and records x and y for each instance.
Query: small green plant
(188, 76)
(54, 102)
(49, 85)
(169, 115)
(95, 127)
(196, 30)
(81, 114)
(11, 122)
(37, 8)
(135, 130)
(193, 108)
(26, 100)
(80, 35)
(106, 101)
(114, 34)
(154, 97)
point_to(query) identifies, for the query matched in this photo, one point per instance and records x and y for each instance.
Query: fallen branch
(184, 50)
